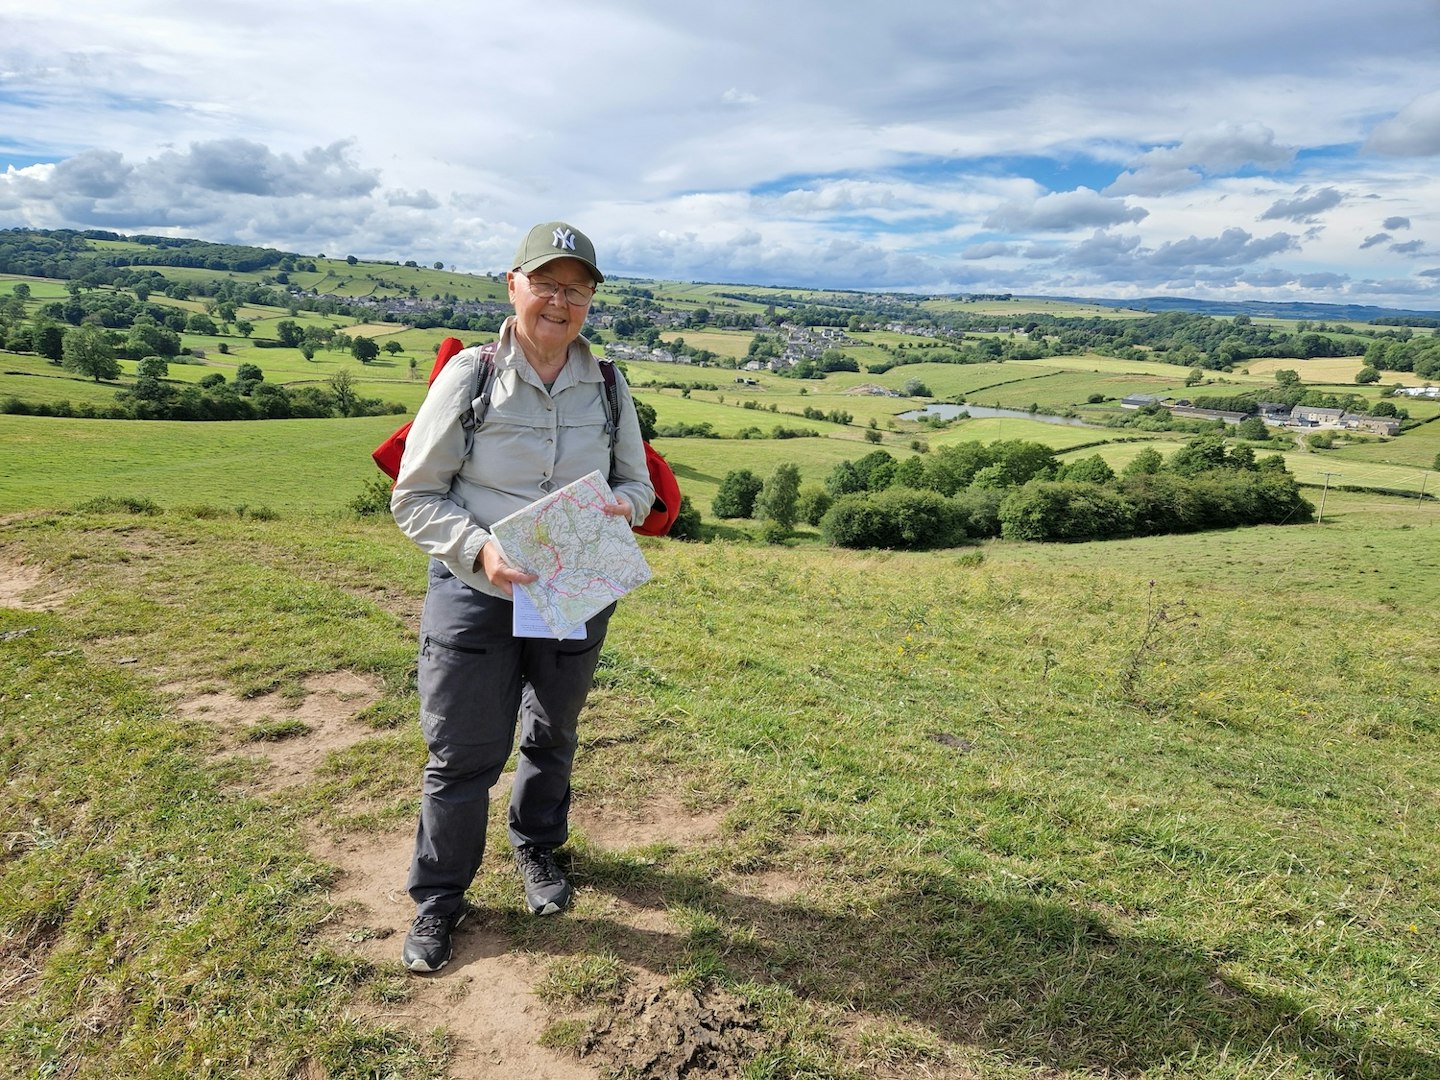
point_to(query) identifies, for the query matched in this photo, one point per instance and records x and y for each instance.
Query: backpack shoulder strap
(484, 382)
(612, 402)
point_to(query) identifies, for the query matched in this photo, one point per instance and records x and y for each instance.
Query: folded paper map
(585, 558)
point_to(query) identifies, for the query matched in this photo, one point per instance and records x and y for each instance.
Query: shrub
(737, 494)
(687, 521)
(1065, 510)
(1163, 503)
(374, 497)
(1090, 470)
(812, 504)
(979, 511)
(1252, 428)
(772, 532)
(119, 504)
(899, 518)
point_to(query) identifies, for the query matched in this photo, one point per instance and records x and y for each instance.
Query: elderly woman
(546, 424)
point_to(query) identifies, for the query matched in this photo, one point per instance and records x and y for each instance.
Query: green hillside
(1162, 806)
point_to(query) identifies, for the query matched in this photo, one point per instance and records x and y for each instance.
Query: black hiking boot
(427, 945)
(547, 889)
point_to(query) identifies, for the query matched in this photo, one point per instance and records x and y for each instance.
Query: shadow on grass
(1034, 981)
(687, 472)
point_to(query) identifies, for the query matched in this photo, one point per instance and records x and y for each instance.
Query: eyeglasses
(545, 289)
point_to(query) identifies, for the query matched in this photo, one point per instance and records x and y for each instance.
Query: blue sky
(1231, 150)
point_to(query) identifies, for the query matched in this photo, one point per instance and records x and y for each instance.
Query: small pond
(950, 412)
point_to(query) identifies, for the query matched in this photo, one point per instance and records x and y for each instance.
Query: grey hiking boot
(427, 945)
(547, 890)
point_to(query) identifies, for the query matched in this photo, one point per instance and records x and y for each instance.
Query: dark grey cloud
(1322, 282)
(1213, 152)
(95, 174)
(988, 249)
(224, 190)
(415, 200)
(1103, 250)
(1277, 277)
(1371, 241)
(1233, 247)
(241, 167)
(1410, 247)
(1398, 287)
(1304, 207)
(1271, 278)
(1396, 223)
(1064, 211)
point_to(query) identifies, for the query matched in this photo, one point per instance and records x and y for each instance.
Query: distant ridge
(1344, 312)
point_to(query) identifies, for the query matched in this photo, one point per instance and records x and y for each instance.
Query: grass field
(1160, 809)
(325, 465)
(1154, 808)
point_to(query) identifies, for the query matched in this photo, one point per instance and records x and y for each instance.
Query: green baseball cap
(555, 240)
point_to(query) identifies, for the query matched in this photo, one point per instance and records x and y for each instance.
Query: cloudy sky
(1255, 149)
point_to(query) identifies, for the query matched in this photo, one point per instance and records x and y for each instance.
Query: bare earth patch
(676, 1033)
(27, 588)
(663, 820)
(484, 998)
(322, 722)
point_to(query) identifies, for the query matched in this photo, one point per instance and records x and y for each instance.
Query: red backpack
(663, 511)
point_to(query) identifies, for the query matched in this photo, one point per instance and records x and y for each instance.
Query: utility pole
(1323, 492)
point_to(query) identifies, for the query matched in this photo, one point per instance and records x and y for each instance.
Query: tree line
(1020, 490)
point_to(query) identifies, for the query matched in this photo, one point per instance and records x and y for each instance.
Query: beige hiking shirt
(530, 442)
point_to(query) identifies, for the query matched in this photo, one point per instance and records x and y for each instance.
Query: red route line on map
(549, 582)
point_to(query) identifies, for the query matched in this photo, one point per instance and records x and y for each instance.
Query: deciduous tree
(738, 491)
(87, 351)
(779, 499)
(364, 349)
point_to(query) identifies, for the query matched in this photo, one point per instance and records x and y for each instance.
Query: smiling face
(547, 327)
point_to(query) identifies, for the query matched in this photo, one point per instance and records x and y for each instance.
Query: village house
(1380, 425)
(1313, 416)
(1273, 412)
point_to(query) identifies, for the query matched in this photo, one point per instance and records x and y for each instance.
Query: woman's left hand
(618, 509)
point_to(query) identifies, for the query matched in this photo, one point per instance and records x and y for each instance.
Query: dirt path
(485, 997)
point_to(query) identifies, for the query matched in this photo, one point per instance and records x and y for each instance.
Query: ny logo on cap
(564, 239)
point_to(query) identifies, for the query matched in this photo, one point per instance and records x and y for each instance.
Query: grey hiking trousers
(475, 678)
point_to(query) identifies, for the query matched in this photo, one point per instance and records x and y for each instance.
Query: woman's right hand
(500, 573)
